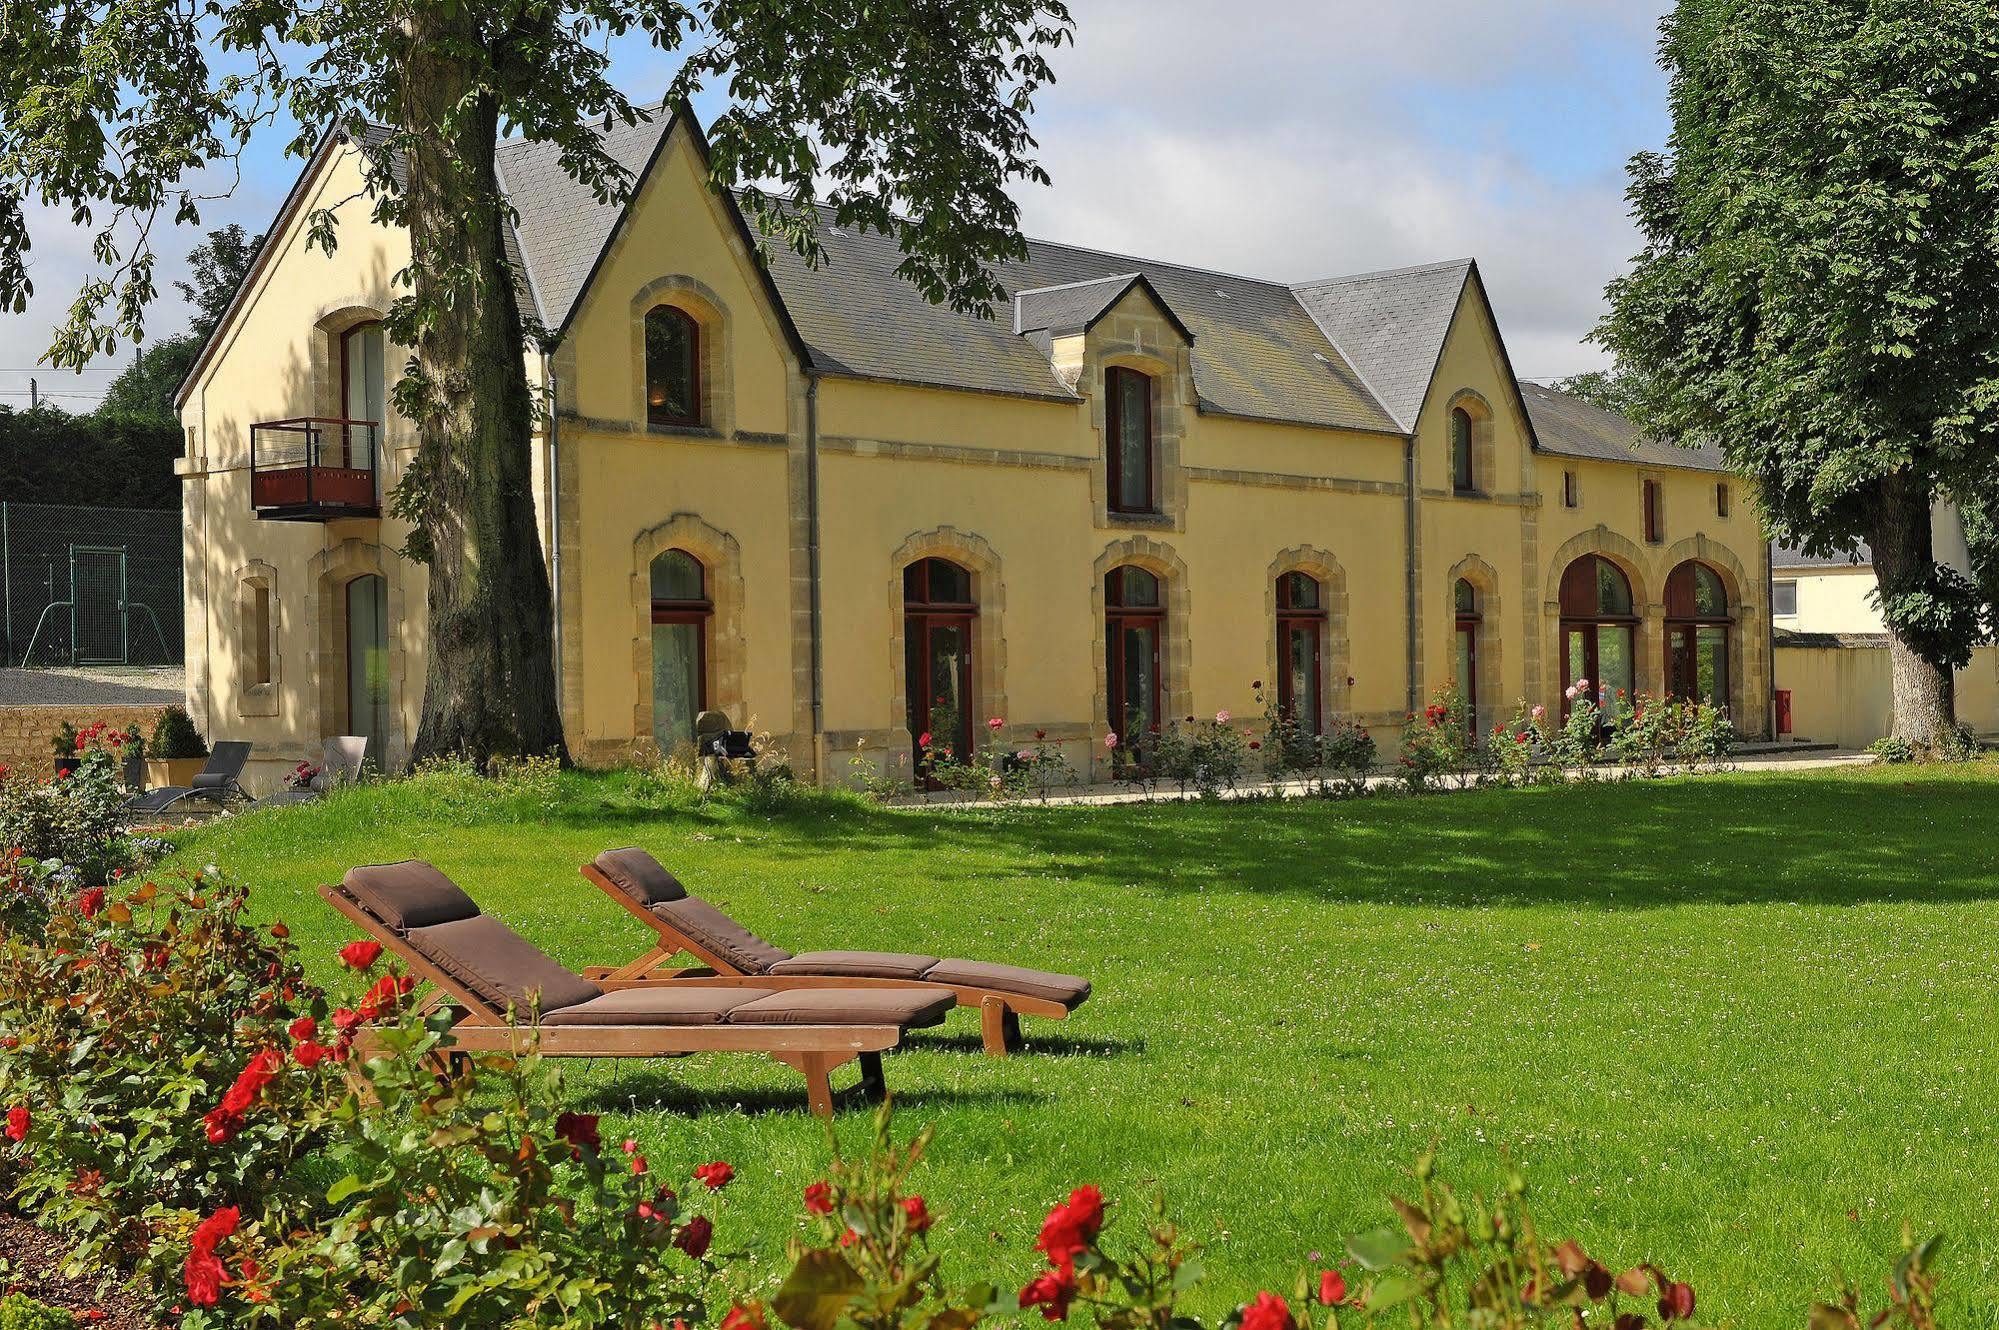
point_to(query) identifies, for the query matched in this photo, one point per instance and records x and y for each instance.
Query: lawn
(1740, 1025)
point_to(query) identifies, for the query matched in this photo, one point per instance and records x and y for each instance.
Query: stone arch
(1335, 647)
(976, 555)
(1175, 646)
(1749, 663)
(328, 572)
(328, 325)
(1492, 637)
(722, 562)
(700, 302)
(1484, 445)
(1647, 667)
(258, 632)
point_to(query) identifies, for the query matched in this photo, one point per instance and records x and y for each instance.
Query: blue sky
(1296, 139)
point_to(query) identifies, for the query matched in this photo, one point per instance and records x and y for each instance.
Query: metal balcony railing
(314, 469)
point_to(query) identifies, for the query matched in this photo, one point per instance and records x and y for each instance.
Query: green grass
(1742, 1026)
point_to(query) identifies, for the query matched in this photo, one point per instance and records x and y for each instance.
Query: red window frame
(1469, 620)
(1684, 622)
(921, 614)
(1300, 619)
(346, 361)
(1114, 380)
(659, 414)
(1721, 498)
(1117, 617)
(1464, 479)
(697, 612)
(1650, 498)
(1587, 619)
(1569, 495)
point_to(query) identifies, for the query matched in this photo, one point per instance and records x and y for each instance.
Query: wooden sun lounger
(684, 923)
(813, 1050)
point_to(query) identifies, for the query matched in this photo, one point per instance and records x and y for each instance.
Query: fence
(89, 586)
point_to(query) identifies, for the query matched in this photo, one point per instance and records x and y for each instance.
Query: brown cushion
(500, 965)
(664, 1004)
(640, 876)
(909, 1008)
(738, 947)
(411, 894)
(1066, 989)
(858, 964)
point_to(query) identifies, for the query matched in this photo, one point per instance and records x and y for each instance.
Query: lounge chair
(340, 764)
(216, 783)
(499, 981)
(686, 923)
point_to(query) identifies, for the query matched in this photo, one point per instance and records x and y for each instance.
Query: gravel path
(86, 688)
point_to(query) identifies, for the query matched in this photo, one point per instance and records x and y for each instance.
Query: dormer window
(673, 367)
(1129, 443)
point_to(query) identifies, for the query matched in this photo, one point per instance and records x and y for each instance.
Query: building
(812, 500)
(1823, 593)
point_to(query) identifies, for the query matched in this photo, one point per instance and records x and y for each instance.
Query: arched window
(1462, 478)
(938, 613)
(1698, 628)
(673, 367)
(1470, 621)
(1598, 627)
(368, 662)
(1129, 449)
(1134, 623)
(681, 610)
(1301, 622)
(364, 396)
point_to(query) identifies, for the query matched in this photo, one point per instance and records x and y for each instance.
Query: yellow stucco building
(811, 500)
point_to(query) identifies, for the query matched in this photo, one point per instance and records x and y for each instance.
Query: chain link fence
(89, 586)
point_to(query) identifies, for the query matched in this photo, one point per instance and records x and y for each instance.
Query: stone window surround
(1125, 341)
(1484, 445)
(328, 572)
(722, 566)
(1484, 579)
(699, 302)
(1335, 647)
(1176, 692)
(254, 698)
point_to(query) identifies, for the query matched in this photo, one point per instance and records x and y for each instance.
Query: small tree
(1820, 283)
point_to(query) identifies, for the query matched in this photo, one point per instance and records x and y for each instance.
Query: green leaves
(1380, 1249)
(816, 1292)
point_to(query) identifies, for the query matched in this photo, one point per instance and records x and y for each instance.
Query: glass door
(368, 663)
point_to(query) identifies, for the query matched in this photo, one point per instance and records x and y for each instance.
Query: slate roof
(1787, 556)
(1570, 427)
(561, 226)
(1071, 307)
(1391, 327)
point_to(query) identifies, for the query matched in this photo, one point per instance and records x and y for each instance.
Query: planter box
(176, 771)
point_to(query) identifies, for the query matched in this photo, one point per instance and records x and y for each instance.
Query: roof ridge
(1319, 283)
(1071, 286)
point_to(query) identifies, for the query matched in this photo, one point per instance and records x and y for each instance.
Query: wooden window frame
(1571, 490)
(920, 615)
(699, 612)
(1301, 619)
(659, 415)
(1114, 377)
(1469, 622)
(1572, 620)
(1650, 507)
(1464, 452)
(1685, 623)
(1721, 498)
(346, 368)
(1118, 616)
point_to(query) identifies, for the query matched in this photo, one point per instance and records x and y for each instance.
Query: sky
(1282, 139)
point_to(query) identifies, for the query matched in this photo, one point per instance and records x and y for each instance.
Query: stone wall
(25, 732)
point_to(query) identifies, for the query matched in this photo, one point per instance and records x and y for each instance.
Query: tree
(1818, 293)
(907, 117)
(146, 387)
(1610, 390)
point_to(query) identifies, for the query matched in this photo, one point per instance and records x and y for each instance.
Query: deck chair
(216, 783)
(686, 923)
(498, 980)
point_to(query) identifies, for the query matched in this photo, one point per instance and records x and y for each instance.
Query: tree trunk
(490, 687)
(1925, 691)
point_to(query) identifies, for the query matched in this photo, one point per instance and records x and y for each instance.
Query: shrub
(72, 819)
(174, 736)
(1439, 742)
(18, 1311)
(148, 1053)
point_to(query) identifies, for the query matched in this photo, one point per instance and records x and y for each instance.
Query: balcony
(313, 469)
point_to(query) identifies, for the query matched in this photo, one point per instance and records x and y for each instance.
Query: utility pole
(34, 394)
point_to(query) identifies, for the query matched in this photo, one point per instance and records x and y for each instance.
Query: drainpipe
(812, 573)
(1415, 689)
(1770, 643)
(554, 517)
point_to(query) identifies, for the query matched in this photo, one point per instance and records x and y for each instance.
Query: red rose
(923, 739)
(638, 1166)
(715, 1176)
(310, 1054)
(345, 1020)
(995, 723)
(1051, 1291)
(917, 1213)
(819, 1199)
(1268, 1312)
(90, 902)
(742, 1317)
(382, 998)
(304, 1028)
(360, 955)
(1332, 1287)
(1676, 1302)
(1071, 1226)
(580, 1130)
(694, 1236)
(18, 1122)
(204, 1273)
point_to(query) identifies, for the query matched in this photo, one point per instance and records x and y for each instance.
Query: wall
(1844, 694)
(1832, 600)
(25, 732)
